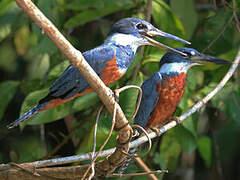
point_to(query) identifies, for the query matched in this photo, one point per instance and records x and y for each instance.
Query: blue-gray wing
(72, 82)
(149, 99)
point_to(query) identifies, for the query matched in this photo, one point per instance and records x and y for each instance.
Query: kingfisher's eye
(141, 26)
(193, 53)
(190, 54)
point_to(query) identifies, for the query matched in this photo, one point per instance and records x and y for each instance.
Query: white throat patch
(176, 67)
(124, 40)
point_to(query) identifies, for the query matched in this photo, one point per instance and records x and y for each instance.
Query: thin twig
(236, 16)
(95, 142)
(139, 97)
(214, 4)
(24, 169)
(137, 174)
(105, 142)
(149, 139)
(145, 168)
(219, 34)
(43, 139)
(66, 138)
(141, 51)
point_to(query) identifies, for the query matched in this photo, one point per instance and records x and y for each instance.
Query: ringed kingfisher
(109, 60)
(164, 89)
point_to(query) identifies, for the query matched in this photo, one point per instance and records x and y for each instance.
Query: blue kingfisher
(109, 60)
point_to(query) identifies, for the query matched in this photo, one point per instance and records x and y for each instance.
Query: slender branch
(145, 168)
(148, 14)
(219, 34)
(94, 145)
(139, 97)
(138, 174)
(236, 16)
(66, 138)
(149, 139)
(104, 144)
(149, 10)
(43, 140)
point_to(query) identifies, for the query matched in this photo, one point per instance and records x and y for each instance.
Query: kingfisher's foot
(176, 119)
(156, 130)
(135, 133)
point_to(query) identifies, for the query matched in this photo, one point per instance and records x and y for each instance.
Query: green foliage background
(206, 144)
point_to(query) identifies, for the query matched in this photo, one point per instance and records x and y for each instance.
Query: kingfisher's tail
(127, 162)
(27, 115)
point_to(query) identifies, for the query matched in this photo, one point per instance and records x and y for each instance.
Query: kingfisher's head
(172, 62)
(137, 32)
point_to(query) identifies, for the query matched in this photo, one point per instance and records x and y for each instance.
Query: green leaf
(9, 20)
(152, 56)
(230, 106)
(206, 89)
(191, 124)
(7, 91)
(130, 70)
(7, 57)
(170, 151)
(5, 5)
(204, 145)
(128, 98)
(227, 100)
(110, 6)
(86, 101)
(30, 86)
(185, 138)
(214, 26)
(185, 11)
(56, 72)
(21, 40)
(4, 31)
(45, 45)
(227, 140)
(58, 69)
(166, 20)
(194, 77)
(38, 68)
(80, 5)
(104, 126)
(28, 148)
(160, 161)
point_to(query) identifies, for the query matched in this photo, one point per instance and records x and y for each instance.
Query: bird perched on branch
(109, 60)
(164, 89)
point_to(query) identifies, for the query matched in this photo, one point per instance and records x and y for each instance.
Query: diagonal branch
(105, 94)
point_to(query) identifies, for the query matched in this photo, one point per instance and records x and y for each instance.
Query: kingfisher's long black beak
(156, 32)
(208, 60)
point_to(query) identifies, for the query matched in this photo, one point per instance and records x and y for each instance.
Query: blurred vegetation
(205, 146)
